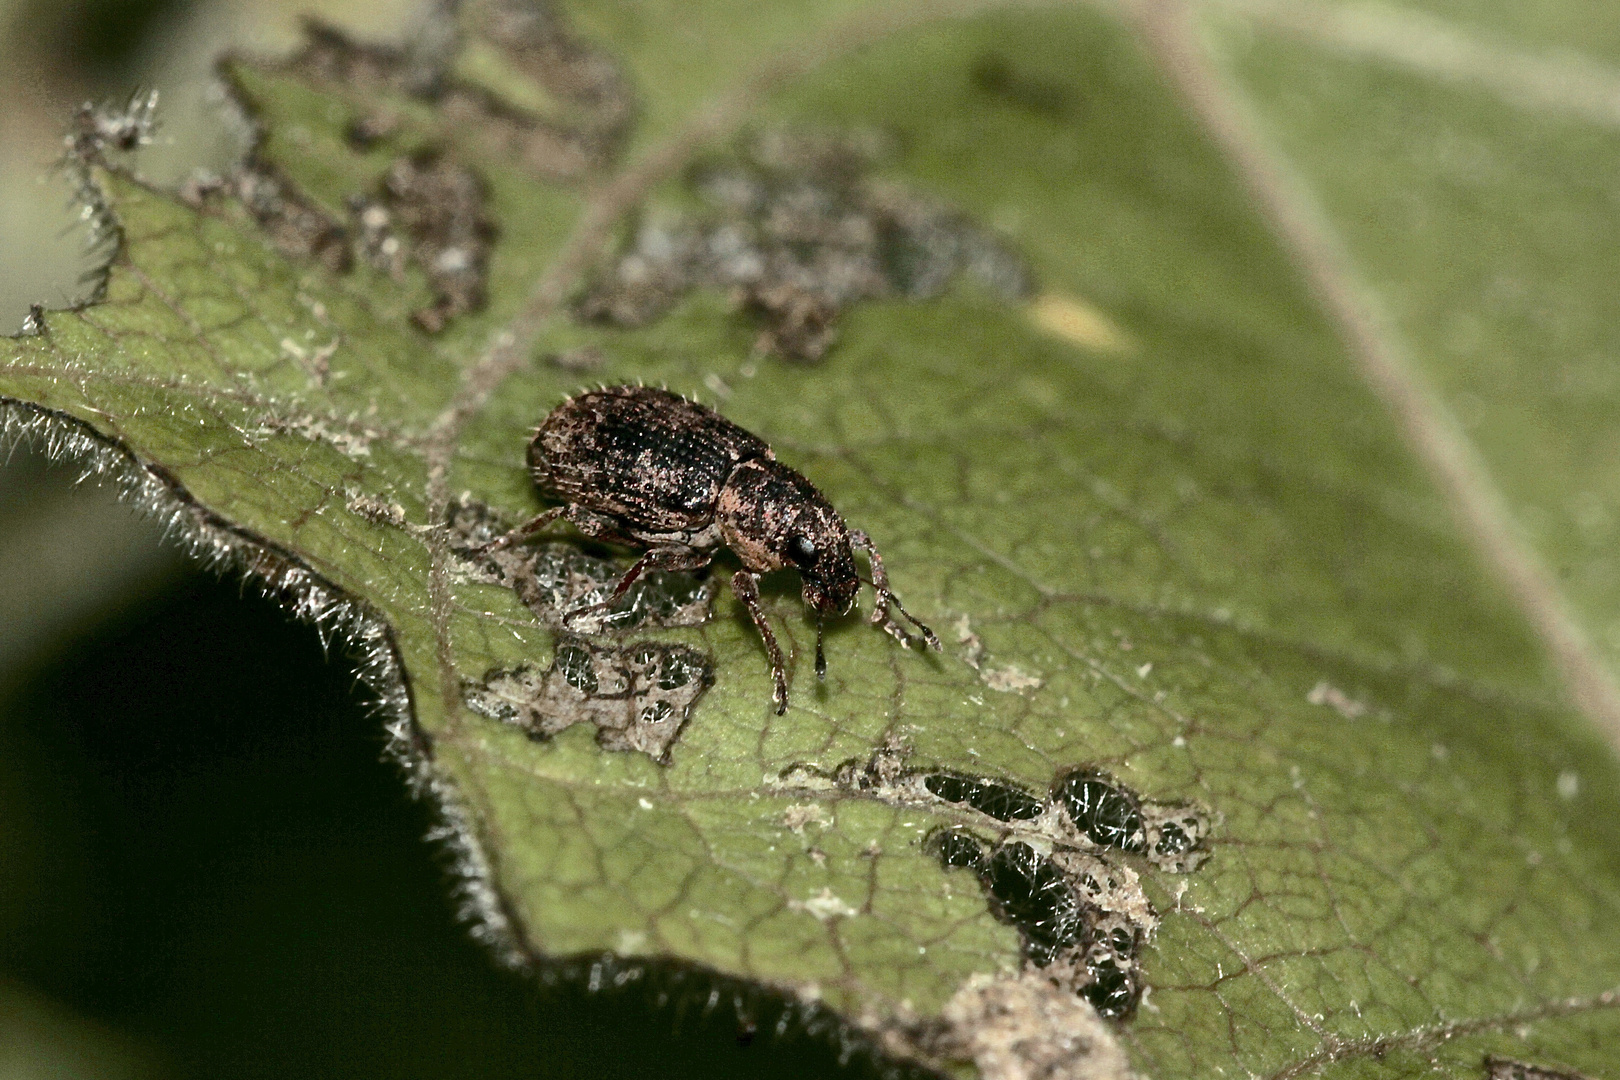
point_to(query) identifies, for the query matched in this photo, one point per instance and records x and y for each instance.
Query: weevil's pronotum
(647, 468)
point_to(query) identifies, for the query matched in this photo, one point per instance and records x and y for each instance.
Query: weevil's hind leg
(522, 532)
(746, 586)
(880, 585)
(681, 558)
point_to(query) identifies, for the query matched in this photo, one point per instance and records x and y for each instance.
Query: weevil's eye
(801, 550)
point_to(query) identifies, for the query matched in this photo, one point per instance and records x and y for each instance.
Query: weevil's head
(772, 518)
(826, 565)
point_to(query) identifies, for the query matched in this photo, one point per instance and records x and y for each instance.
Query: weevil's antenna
(821, 657)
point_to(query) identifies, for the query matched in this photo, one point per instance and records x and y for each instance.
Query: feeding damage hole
(459, 55)
(1051, 866)
(639, 696)
(429, 211)
(555, 578)
(426, 214)
(796, 231)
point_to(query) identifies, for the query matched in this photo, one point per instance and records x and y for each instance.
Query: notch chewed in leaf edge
(421, 221)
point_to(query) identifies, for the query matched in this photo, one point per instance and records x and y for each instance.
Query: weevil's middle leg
(746, 586)
(880, 585)
(522, 532)
(674, 558)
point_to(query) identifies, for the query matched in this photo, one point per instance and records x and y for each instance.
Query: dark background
(207, 869)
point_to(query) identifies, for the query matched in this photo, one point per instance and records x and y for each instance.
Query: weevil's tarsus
(521, 533)
(672, 559)
(880, 585)
(746, 586)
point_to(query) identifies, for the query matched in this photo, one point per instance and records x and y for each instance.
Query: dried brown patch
(537, 41)
(597, 99)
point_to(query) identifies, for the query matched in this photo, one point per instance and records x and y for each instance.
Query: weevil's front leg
(880, 585)
(671, 558)
(522, 532)
(746, 586)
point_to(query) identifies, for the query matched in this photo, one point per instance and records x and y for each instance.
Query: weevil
(650, 469)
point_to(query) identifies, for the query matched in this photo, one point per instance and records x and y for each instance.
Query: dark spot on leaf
(1105, 813)
(574, 662)
(675, 672)
(1173, 840)
(1031, 893)
(995, 75)
(955, 848)
(1176, 836)
(1001, 801)
(1112, 991)
(618, 689)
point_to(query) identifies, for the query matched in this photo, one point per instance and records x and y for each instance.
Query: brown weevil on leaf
(649, 469)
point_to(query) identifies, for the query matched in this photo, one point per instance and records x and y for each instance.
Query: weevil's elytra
(647, 468)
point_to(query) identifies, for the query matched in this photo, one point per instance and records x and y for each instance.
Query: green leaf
(1163, 522)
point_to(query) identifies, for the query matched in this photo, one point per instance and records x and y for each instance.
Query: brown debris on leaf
(428, 208)
(1503, 1068)
(539, 44)
(291, 221)
(429, 211)
(797, 232)
(1021, 1027)
(552, 579)
(639, 696)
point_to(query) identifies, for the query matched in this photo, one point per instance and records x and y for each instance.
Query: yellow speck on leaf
(1078, 322)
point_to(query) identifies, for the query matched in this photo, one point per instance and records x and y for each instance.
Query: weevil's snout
(831, 599)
